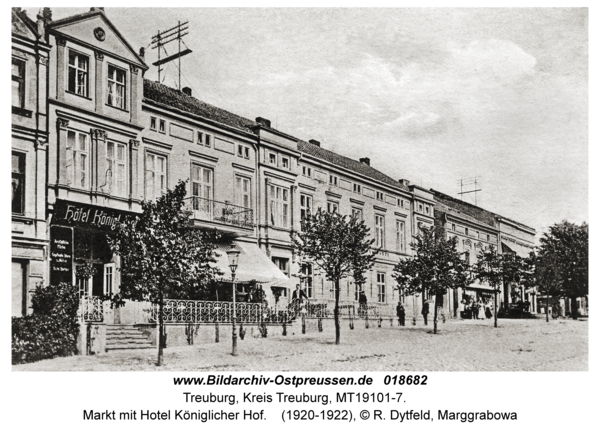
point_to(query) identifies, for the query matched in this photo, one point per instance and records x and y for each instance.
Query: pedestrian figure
(480, 310)
(401, 314)
(297, 297)
(473, 307)
(425, 311)
(362, 303)
(555, 311)
(488, 310)
(461, 308)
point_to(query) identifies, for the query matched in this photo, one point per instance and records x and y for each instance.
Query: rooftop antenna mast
(164, 37)
(468, 183)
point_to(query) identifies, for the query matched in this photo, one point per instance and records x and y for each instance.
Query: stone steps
(126, 337)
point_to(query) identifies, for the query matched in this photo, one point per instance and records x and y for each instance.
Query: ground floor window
(381, 287)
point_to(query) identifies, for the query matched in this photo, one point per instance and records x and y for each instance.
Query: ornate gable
(20, 27)
(94, 30)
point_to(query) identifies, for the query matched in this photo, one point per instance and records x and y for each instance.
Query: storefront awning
(512, 247)
(253, 265)
(480, 287)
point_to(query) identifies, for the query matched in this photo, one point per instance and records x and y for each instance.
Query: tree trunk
(435, 313)
(495, 307)
(547, 305)
(160, 332)
(336, 312)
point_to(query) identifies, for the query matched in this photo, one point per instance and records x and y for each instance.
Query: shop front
(79, 249)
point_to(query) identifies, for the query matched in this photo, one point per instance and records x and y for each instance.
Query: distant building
(29, 140)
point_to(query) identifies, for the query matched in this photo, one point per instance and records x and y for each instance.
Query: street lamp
(233, 255)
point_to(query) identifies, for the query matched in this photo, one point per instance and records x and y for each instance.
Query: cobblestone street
(516, 345)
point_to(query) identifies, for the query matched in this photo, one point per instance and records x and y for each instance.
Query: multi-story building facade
(29, 55)
(95, 163)
(477, 229)
(117, 139)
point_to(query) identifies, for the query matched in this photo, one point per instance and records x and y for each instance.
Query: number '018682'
(405, 380)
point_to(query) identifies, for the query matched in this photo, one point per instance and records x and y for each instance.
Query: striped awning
(253, 265)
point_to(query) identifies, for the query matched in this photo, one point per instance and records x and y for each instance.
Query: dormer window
(78, 74)
(116, 87)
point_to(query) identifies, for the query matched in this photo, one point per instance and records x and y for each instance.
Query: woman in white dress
(480, 310)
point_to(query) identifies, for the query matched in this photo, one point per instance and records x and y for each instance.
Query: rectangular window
(332, 207)
(305, 206)
(202, 191)
(246, 152)
(379, 196)
(18, 183)
(243, 192)
(78, 150)
(156, 176)
(116, 87)
(283, 265)
(333, 180)
(306, 171)
(357, 188)
(208, 140)
(279, 206)
(467, 231)
(399, 235)
(285, 163)
(273, 158)
(152, 123)
(78, 74)
(200, 138)
(379, 231)
(240, 152)
(420, 208)
(116, 155)
(400, 203)
(381, 287)
(488, 238)
(427, 210)
(307, 279)
(18, 83)
(109, 277)
(357, 213)
(162, 126)
(453, 227)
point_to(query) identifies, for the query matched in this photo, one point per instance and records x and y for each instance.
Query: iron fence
(92, 308)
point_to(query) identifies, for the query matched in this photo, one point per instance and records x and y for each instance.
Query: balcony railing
(221, 212)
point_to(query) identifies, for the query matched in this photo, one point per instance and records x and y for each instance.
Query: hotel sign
(61, 255)
(82, 215)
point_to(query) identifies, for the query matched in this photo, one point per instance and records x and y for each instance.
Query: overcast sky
(430, 95)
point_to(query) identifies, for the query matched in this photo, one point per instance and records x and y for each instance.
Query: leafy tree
(544, 274)
(494, 268)
(161, 256)
(339, 246)
(565, 249)
(436, 267)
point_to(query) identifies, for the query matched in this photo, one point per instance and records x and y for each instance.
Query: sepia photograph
(299, 189)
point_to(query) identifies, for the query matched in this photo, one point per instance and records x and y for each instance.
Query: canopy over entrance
(520, 250)
(253, 265)
(481, 288)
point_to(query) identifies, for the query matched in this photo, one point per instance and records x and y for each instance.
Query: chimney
(315, 142)
(365, 160)
(143, 53)
(405, 182)
(97, 9)
(263, 121)
(187, 91)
